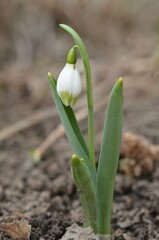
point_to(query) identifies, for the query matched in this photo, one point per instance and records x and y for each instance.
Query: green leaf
(71, 126)
(86, 190)
(109, 157)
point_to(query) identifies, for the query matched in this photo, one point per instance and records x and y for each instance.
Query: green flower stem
(109, 158)
(86, 64)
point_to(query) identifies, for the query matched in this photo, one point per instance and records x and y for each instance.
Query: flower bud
(69, 81)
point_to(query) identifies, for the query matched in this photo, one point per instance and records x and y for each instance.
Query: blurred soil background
(122, 38)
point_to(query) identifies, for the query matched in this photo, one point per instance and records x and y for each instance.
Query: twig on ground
(25, 123)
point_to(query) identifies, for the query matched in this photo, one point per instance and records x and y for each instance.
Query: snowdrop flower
(69, 81)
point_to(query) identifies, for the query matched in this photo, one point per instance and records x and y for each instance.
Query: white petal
(65, 78)
(76, 84)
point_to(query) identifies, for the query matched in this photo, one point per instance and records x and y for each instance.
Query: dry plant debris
(17, 230)
(138, 155)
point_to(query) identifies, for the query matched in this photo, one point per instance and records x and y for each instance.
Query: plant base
(104, 237)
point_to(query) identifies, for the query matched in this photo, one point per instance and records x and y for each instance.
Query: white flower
(69, 85)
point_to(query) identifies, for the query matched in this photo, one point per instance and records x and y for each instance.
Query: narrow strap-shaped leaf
(71, 126)
(76, 128)
(86, 190)
(109, 157)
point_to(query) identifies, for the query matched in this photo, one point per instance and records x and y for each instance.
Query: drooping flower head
(69, 81)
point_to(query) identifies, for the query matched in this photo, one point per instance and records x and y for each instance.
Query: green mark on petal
(66, 98)
(74, 100)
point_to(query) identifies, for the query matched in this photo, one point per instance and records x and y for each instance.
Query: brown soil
(44, 193)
